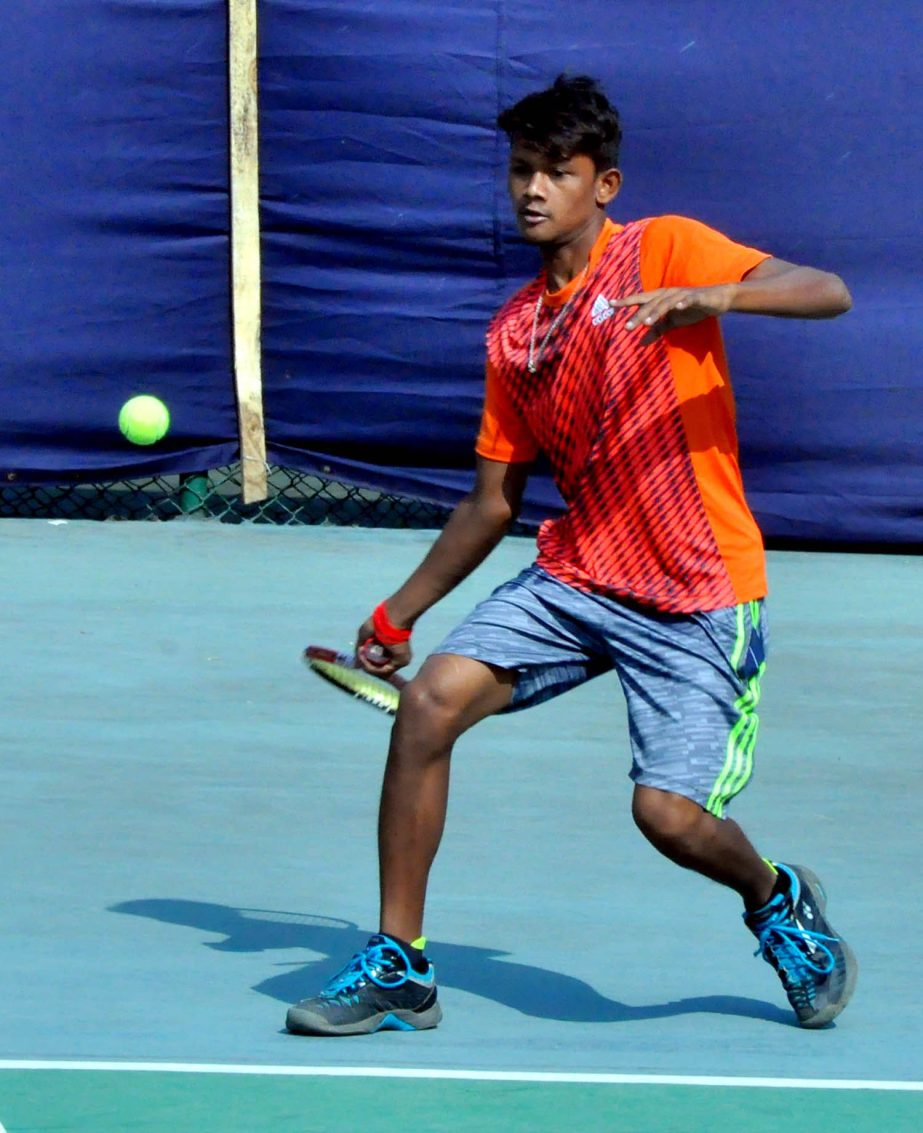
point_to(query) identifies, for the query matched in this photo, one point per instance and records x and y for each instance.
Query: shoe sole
(307, 1023)
(851, 964)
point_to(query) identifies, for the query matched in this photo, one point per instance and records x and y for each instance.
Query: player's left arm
(773, 287)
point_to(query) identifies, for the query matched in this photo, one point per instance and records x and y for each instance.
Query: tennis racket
(341, 670)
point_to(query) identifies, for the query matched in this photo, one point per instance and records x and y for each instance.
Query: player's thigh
(537, 631)
(450, 693)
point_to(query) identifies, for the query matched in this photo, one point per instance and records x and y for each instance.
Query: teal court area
(189, 846)
(204, 1101)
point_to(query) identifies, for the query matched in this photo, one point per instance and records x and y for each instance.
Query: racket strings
(359, 683)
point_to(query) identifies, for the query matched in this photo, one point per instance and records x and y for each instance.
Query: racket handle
(376, 653)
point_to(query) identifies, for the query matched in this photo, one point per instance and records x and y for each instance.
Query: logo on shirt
(602, 310)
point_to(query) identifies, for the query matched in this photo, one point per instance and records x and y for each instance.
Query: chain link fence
(294, 498)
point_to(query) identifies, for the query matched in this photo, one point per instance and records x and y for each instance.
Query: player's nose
(535, 187)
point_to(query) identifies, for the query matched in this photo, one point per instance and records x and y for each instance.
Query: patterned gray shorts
(691, 681)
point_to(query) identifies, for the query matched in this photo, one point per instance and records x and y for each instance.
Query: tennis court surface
(189, 846)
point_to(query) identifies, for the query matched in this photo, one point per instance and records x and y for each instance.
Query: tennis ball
(144, 419)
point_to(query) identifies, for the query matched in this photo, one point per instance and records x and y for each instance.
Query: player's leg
(687, 834)
(514, 650)
(511, 652)
(693, 687)
(785, 905)
(448, 696)
(391, 984)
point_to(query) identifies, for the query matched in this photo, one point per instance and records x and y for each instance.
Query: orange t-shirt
(641, 440)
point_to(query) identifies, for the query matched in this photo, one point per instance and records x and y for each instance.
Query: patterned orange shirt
(641, 439)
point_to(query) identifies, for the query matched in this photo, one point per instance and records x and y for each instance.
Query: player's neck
(564, 262)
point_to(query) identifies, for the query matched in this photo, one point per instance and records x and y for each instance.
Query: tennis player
(610, 363)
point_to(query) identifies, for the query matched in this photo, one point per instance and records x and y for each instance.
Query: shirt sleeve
(503, 435)
(677, 251)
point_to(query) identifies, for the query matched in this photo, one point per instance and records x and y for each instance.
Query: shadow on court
(481, 971)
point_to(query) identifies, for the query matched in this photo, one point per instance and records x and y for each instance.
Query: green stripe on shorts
(741, 744)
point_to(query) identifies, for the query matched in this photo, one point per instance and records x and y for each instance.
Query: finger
(636, 300)
(669, 305)
(364, 635)
(651, 313)
(372, 655)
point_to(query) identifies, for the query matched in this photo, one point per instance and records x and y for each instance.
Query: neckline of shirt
(567, 292)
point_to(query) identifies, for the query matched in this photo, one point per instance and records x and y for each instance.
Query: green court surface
(151, 1102)
(188, 842)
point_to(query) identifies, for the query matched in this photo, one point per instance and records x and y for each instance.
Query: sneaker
(378, 990)
(817, 968)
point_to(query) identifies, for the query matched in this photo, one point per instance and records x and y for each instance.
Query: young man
(611, 363)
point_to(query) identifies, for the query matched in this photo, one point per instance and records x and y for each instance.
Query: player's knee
(429, 708)
(666, 819)
(449, 694)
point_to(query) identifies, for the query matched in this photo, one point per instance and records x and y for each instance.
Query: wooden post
(245, 246)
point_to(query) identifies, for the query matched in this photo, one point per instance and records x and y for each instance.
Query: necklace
(535, 356)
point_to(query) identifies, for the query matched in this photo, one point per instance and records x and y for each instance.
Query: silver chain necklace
(535, 356)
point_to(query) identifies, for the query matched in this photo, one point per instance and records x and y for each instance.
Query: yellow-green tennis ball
(144, 420)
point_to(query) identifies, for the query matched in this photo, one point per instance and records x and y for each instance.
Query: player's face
(555, 201)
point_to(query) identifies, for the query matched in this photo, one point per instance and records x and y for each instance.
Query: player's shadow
(485, 972)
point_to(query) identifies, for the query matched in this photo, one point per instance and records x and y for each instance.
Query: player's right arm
(473, 529)
(691, 272)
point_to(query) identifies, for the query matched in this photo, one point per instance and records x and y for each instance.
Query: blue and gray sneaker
(378, 990)
(817, 968)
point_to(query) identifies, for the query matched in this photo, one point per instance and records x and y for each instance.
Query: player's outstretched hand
(378, 659)
(668, 307)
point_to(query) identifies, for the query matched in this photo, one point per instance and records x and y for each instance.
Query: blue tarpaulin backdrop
(388, 242)
(113, 235)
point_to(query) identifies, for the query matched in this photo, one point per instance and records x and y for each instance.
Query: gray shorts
(691, 681)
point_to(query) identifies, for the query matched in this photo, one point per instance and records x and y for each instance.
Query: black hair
(572, 116)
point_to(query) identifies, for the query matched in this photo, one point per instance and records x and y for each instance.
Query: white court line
(469, 1075)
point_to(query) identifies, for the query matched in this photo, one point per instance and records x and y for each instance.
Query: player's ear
(608, 184)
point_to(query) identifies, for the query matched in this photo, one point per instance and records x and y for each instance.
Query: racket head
(340, 670)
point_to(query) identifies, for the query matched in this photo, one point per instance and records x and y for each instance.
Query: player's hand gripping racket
(341, 670)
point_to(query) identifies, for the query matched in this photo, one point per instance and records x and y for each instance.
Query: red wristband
(385, 630)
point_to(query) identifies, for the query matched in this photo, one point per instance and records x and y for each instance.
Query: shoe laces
(798, 954)
(380, 962)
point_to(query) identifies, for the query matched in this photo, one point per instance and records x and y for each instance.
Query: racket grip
(376, 653)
